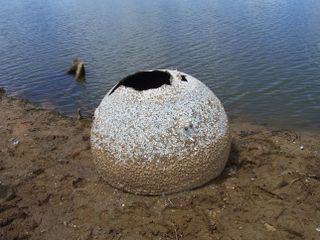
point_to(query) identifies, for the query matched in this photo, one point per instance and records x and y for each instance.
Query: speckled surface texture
(161, 140)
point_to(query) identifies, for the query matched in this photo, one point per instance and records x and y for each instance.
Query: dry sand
(50, 189)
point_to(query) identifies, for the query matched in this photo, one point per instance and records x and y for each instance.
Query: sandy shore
(50, 189)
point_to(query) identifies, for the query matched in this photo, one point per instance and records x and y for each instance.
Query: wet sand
(49, 188)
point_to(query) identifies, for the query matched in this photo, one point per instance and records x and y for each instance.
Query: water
(260, 57)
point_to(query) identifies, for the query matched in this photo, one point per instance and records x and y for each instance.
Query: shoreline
(233, 119)
(49, 187)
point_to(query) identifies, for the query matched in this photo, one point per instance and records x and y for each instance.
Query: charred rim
(141, 81)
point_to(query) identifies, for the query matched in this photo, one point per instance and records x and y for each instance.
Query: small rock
(301, 147)
(63, 161)
(14, 141)
(269, 227)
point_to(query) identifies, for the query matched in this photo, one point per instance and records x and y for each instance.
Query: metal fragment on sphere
(160, 131)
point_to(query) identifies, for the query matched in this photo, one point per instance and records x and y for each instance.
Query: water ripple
(262, 58)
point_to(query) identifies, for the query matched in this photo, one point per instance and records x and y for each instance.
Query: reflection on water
(261, 58)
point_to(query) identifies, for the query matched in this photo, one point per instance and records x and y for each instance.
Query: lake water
(260, 57)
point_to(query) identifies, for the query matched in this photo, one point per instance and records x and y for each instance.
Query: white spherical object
(160, 131)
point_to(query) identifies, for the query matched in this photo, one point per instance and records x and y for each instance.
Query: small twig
(281, 212)
(170, 202)
(175, 231)
(271, 193)
(294, 180)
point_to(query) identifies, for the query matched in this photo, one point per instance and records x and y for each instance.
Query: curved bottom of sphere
(168, 175)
